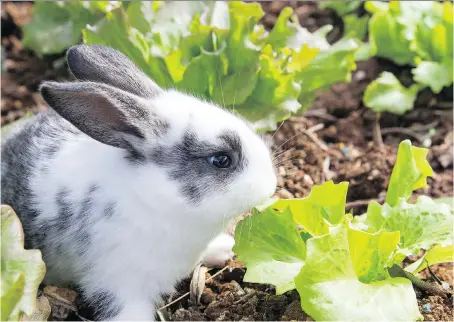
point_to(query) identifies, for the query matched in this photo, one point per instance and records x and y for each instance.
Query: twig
(432, 273)
(397, 271)
(445, 105)
(424, 127)
(186, 294)
(310, 132)
(359, 203)
(376, 133)
(401, 130)
(320, 114)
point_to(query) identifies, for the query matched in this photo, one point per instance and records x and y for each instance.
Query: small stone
(307, 180)
(359, 75)
(285, 194)
(426, 308)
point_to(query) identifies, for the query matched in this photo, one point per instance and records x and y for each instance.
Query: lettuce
(21, 270)
(218, 51)
(57, 25)
(339, 264)
(387, 94)
(413, 33)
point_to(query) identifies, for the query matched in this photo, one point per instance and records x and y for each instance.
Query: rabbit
(122, 184)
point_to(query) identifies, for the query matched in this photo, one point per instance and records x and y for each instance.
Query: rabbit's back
(26, 152)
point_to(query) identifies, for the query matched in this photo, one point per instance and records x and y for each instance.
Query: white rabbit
(122, 184)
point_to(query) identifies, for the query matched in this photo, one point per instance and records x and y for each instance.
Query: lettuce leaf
(316, 212)
(409, 173)
(330, 285)
(436, 255)
(432, 74)
(421, 225)
(272, 249)
(219, 51)
(21, 270)
(387, 94)
(57, 25)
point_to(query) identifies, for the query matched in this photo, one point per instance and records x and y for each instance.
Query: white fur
(157, 236)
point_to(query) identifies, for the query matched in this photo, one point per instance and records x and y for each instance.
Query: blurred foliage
(215, 50)
(21, 270)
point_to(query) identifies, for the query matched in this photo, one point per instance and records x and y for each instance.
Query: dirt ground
(331, 141)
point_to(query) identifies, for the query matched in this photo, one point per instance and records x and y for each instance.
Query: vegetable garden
(357, 100)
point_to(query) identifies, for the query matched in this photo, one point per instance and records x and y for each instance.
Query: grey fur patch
(186, 163)
(109, 210)
(39, 138)
(85, 218)
(103, 304)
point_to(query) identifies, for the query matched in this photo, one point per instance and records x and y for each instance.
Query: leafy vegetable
(415, 33)
(233, 61)
(410, 172)
(421, 225)
(331, 290)
(340, 265)
(56, 25)
(316, 212)
(21, 270)
(341, 8)
(432, 74)
(387, 94)
(271, 247)
(437, 254)
(215, 50)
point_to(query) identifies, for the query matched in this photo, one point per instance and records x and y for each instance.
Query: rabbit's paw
(219, 251)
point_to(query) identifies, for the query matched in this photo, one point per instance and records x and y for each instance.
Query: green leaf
(272, 249)
(330, 66)
(387, 38)
(436, 255)
(316, 212)
(446, 200)
(421, 225)
(376, 6)
(331, 291)
(433, 75)
(219, 51)
(410, 172)
(56, 26)
(387, 94)
(21, 270)
(115, 31)
(355, 27)
(341, 8)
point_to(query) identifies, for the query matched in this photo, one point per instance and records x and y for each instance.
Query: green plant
(415, 33)
(57, 25)
(219, 51)
(21, 270)
(339, 263)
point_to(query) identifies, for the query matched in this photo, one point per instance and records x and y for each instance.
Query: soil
(331, 141)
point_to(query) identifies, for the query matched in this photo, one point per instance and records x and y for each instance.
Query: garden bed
(331, 141)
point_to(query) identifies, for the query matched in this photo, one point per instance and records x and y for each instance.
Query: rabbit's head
(185, 150)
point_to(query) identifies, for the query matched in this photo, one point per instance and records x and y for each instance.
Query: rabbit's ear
(106, 65)
(107, 114)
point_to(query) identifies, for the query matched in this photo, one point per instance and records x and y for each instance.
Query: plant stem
(397, 271)
(376, 132)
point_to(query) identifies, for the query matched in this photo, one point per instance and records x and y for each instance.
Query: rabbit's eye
(221, 161)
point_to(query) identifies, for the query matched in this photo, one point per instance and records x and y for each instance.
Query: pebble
(427, 308)
(284, 193)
